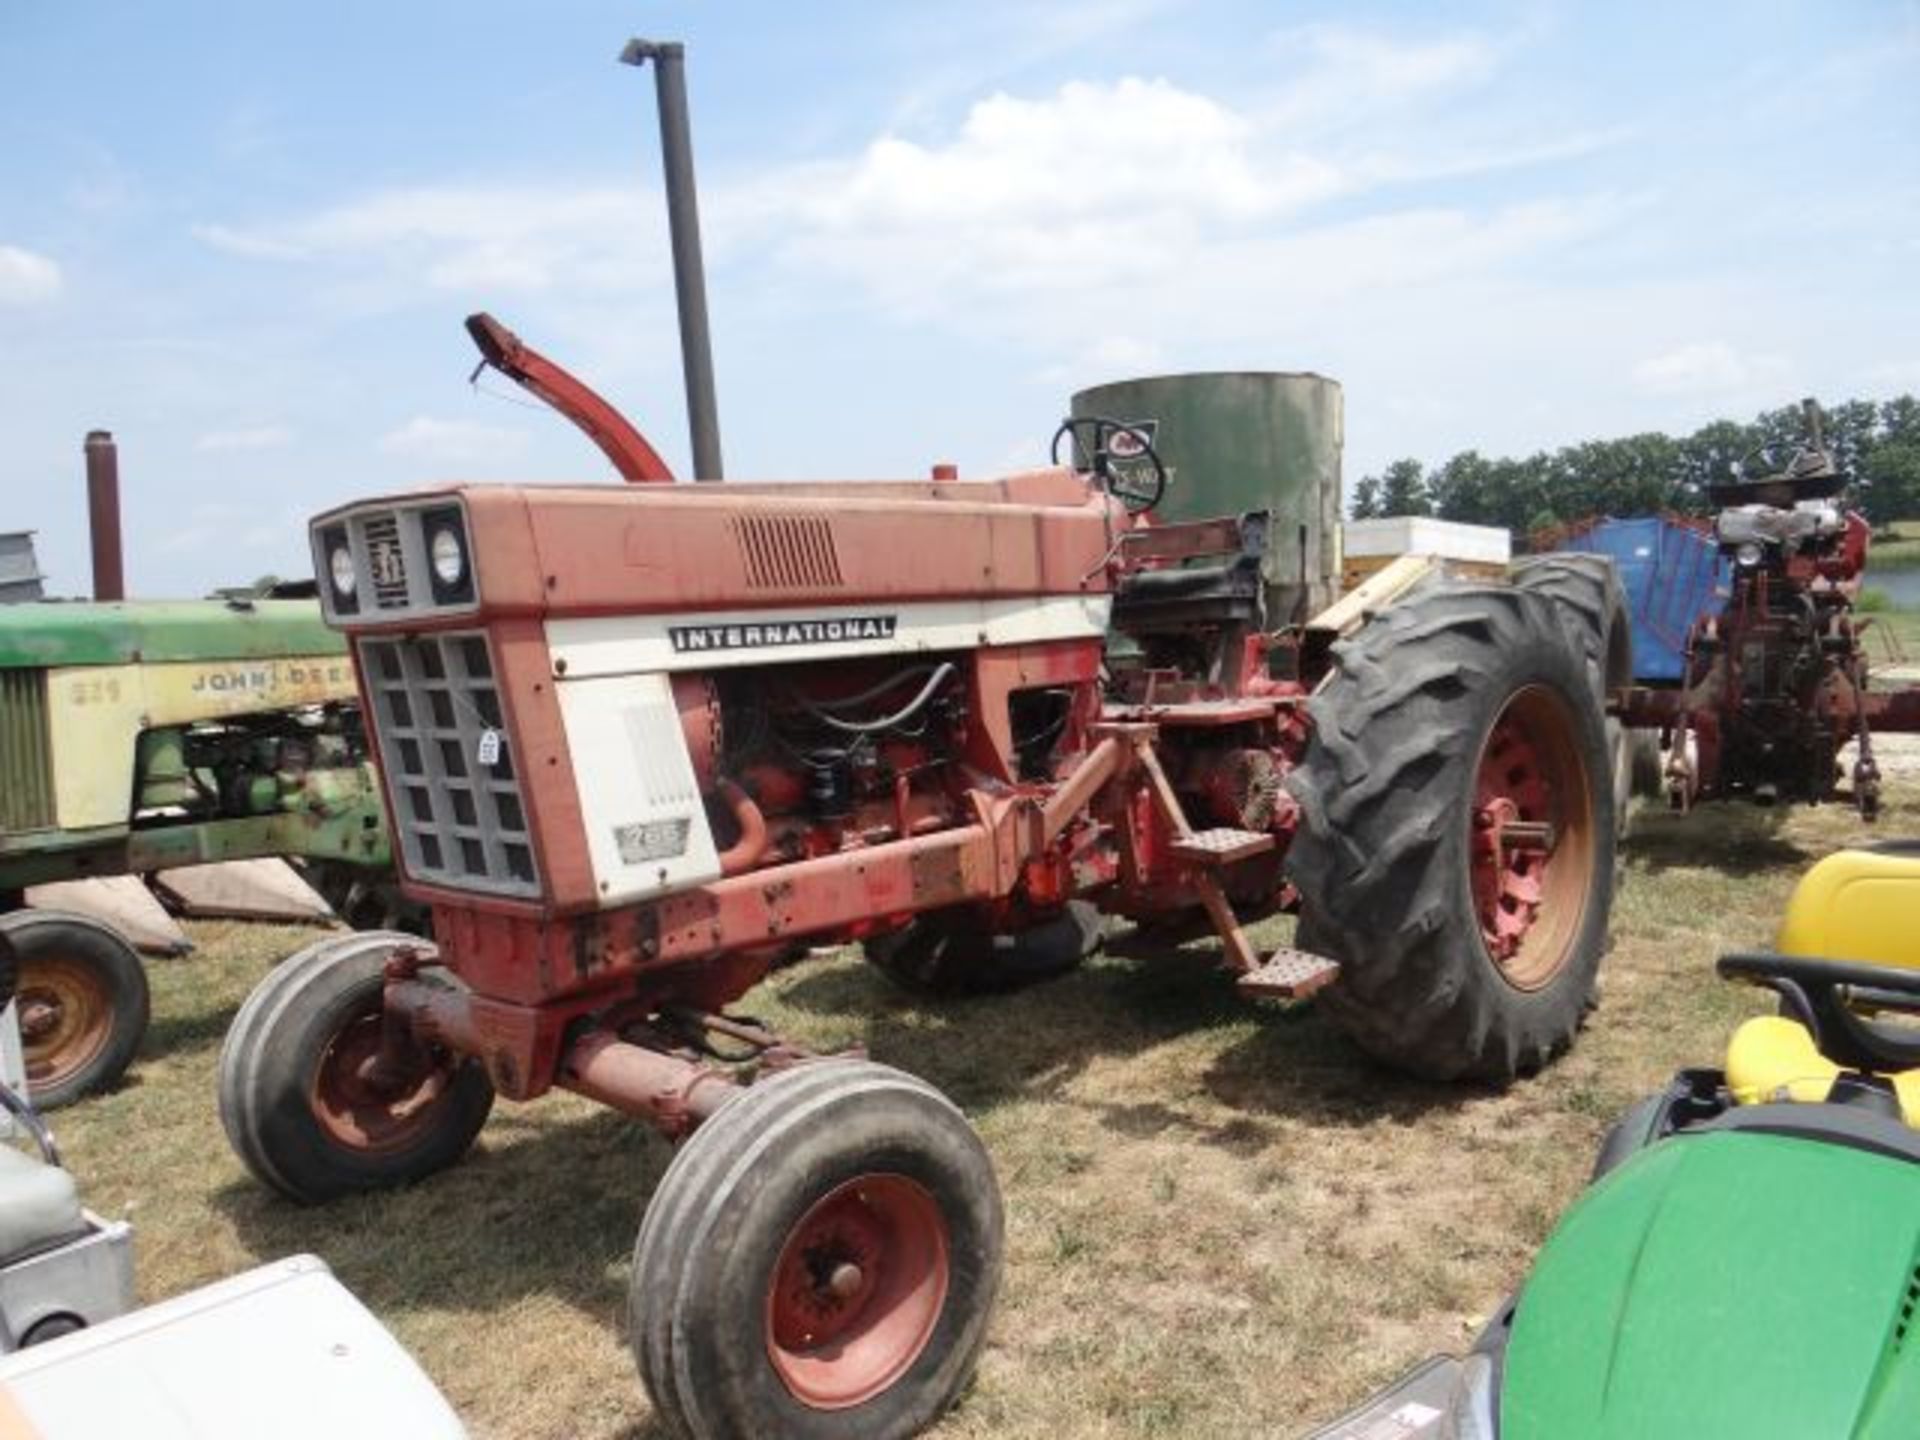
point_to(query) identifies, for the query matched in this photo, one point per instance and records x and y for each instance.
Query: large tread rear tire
(1589, 588)
(84, 1003)
(952, 953)
(288, 1034)
(741, 1191)
(1384, 855)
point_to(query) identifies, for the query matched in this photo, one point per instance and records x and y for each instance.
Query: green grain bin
(1243, 440)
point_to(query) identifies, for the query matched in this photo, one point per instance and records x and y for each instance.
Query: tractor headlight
(1749, 554)
(449, 557)
(449, 565)
(340, 577)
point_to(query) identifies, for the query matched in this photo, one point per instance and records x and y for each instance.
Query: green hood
(1726, 1284)
(89, 632)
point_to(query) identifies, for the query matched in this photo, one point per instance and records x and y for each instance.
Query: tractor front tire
(1456, 847)
(295, 1104)
(952, 953)
(84, 1006)
(820, 1260)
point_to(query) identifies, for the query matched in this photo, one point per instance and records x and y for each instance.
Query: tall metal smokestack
(683, 223)
(103, 516)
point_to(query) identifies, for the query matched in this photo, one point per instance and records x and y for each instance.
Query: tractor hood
(87, 632)
(1732, 1283)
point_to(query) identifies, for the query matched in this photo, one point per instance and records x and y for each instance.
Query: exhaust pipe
(103, 516)
(683, 224)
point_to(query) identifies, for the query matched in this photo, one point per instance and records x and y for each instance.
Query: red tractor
(641, 743)
(1775, 679)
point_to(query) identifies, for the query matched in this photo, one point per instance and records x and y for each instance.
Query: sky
(243, 236)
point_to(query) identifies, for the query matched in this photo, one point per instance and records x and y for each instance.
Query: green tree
(1403, 490)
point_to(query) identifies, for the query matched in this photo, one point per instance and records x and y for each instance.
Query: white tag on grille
(489, 748)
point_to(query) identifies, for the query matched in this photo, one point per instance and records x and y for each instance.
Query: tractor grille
(26, 772)
(387, 562)
(788, 552)
(460, 820)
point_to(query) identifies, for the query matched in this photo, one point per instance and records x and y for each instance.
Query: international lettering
(764, 634)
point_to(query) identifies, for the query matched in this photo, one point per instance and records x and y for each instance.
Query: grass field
(1221, 1220)
(1898, 549)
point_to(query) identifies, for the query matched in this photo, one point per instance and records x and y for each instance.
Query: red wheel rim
(856, 1292)
(1532, 838)
(66, 1018)
(361, 1115)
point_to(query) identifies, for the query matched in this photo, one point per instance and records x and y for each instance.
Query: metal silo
(1248, 440)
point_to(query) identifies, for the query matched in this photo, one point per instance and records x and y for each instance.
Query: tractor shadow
(1269, 1063)
(172, 1032)
(1734, 837)
(546, 1205)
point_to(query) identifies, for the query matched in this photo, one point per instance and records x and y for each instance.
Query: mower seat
(1856, 904)
(39, 1205)
(1772, 1058)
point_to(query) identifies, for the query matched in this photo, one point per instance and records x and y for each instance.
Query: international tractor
(142, 736)
(1773, 681)
(641, 742)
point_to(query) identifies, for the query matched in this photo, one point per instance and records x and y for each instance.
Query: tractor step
(1289, 974)
(1223, 846)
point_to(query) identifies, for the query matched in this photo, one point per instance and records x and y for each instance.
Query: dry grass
(1221, 1220)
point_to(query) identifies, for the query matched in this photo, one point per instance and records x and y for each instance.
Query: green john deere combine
(137, 737)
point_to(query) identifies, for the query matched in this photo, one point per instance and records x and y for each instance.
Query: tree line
(1876, 443)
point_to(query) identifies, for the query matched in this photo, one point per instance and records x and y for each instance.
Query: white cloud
(520, 238)
(1708, 367)
(249, 437)
(1347, 75)
(251, 245)
(426, 437)
(26, 278)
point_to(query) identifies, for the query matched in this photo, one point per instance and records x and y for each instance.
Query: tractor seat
(1858, 903)
(39, 1205)
(1772, 1058)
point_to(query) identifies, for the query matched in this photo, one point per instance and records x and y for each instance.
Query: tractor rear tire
(820, 1260)
(1458, 705)
(293, 1103)
(951, 953)
(1589, 588)
(84, 1005)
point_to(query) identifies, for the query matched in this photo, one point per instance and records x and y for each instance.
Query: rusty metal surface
(1290, 974)
(1223, 846)
(670, 1092)
(635, 460)
(103, 516)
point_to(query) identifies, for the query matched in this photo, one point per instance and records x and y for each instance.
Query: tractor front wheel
(297, 1098)
(83, 1003)
(953, 952)
(819, 1260)
(1456, 848)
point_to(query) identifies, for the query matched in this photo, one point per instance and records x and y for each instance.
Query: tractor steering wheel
(1831, 998)
(1135, 487)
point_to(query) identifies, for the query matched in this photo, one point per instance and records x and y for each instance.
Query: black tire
(84, 1005)
(1384, 855)
(951, 953)
(271, 1071)
(1644, 1122)
(702, 1297)
(1646, 764)
(1589, 588)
